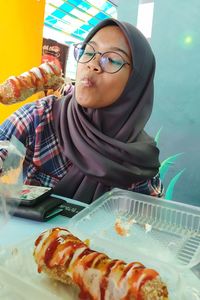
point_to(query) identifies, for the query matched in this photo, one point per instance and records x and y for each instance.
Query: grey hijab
(108, 146)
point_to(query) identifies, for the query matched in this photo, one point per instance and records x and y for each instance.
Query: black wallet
(42, 211)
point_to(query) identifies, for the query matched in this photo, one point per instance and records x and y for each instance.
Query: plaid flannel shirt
(44, 162)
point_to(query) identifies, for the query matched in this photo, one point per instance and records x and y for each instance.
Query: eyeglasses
(110, 61)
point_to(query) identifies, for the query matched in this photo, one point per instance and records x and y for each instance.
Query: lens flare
(188, 40)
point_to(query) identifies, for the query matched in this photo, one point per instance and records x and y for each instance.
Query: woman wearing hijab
(93, 139)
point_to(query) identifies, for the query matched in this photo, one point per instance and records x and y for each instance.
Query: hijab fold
(108, 146)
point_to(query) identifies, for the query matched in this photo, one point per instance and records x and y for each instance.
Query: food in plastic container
(66, 258)
(162, 230)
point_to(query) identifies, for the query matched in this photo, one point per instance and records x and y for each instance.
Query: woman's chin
(86, 102)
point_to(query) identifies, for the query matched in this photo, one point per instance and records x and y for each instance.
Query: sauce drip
(104, 281)
(44, 75)
(15, 88)
(129, 266)
(50, 250)
(38, 240)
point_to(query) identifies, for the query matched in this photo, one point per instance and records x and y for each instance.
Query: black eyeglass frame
(101, 54)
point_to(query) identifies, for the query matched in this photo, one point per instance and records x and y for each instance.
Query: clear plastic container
(20, 280)
(11, 178)
(161, 234)
(155, 226)
(159, 246)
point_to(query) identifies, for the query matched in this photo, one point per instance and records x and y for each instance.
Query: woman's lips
(87, 82)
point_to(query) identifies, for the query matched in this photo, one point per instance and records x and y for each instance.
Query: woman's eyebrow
(112, 48)
(119, 49)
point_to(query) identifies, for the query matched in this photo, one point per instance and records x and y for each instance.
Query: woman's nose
(94, 64)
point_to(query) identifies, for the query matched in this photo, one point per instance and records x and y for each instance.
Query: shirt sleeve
(17, 124)
(152, 187)
(22, 124)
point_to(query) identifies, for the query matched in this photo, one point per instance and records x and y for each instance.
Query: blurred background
(34, 31)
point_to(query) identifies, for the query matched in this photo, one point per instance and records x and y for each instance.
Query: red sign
(53, 51)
